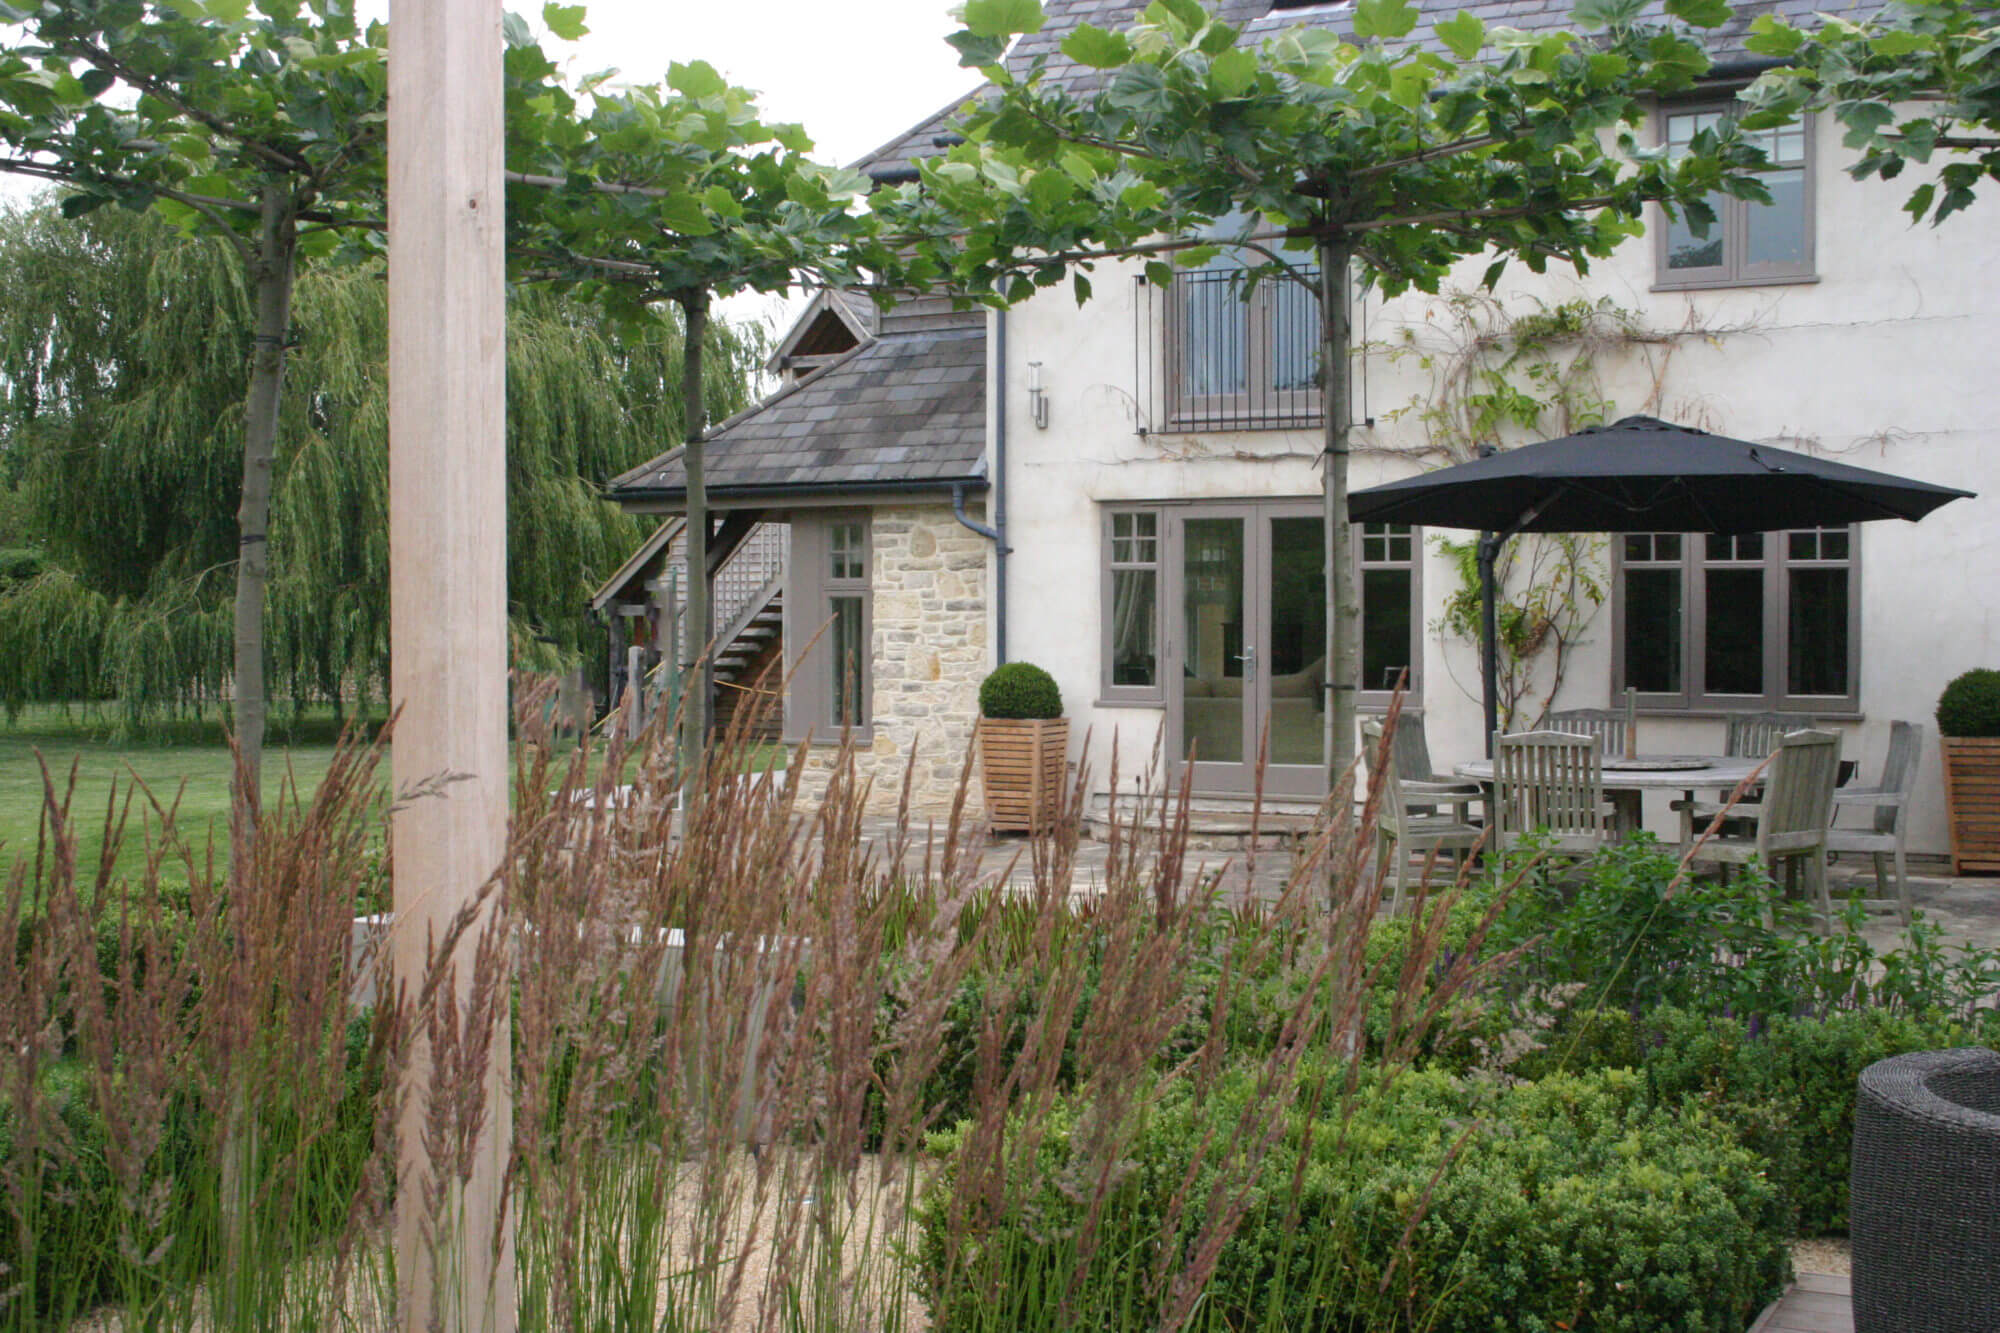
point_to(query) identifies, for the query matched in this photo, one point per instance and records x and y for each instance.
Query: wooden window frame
(811, 588)
(1167, 591)
(1110, 691)
(1257, 405)
(1776, 564)
(1732, 222)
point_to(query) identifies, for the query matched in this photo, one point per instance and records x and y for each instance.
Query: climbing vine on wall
(1501, 377)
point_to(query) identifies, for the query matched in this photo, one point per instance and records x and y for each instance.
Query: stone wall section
(929, 654)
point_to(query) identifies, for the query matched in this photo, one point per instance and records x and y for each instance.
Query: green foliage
(1913, 85)
(19, 564)
(1970, 705)
(121, 352)
(1019, 690)
(1562, 1199)
(94, 1224)
(1633, 932)
(1521, 143)
(1786, 1084)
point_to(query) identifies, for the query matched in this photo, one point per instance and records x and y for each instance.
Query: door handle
(1248, 657)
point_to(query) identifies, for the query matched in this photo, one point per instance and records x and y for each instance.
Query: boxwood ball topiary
(1019, 689)
(1970, 705)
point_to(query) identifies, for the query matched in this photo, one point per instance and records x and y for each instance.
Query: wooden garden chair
(1755, 735)
(1407, 825)
(1787, 824)
(1410, 751)
(1888, 804)
(1616, 729)
(1548, 787)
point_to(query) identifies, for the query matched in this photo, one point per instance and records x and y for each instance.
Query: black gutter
(998, 509)
(782, 490)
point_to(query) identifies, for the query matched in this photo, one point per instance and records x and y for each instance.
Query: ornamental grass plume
(761, 1037)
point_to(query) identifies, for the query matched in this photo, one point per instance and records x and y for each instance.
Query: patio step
(1214, 823)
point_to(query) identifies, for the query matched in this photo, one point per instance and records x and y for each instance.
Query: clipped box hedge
(1565, 1204)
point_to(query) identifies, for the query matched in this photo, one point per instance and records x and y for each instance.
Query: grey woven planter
(1925, 1208)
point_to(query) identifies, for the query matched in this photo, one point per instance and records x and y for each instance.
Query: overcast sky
(854, 74)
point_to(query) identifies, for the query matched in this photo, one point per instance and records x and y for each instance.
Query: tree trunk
(696, 671)
(272, 277)
(1343, 604)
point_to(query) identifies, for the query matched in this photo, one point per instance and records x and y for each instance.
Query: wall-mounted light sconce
(1038, 403)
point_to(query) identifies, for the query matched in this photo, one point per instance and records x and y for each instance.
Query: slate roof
(907, 410)
(1259, 20)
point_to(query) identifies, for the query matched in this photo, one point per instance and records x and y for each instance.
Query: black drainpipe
(997, 490)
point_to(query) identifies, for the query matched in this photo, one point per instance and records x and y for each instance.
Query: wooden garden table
(1627, 779)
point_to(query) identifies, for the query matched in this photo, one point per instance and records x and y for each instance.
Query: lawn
(190, 759)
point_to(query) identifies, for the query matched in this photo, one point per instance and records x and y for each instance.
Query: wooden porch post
(447, 615)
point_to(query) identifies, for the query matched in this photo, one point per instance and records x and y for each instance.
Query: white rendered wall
(1887, 361)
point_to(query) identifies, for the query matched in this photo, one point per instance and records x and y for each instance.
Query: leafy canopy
(1415, 149)
(1917, 83)
(644, 192)
(218, 99)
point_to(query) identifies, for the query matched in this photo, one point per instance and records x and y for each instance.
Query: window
(1135, 586)
(1756, 620)
(1390, 612)
(1749, 242)
(1132, 628)
(847, 608)
(1241, 357)
(829, 618)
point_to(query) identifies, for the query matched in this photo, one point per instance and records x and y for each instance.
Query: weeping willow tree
(122, 347)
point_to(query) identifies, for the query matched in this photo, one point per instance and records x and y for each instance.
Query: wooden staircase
(749, 660)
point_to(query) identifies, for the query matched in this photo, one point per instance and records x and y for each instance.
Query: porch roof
(907, 410)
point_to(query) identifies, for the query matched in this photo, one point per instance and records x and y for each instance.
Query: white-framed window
(1749, 243)
(1751, 621)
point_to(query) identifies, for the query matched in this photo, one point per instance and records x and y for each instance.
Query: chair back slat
(1798, 787)
(1899, 774)
(1549, 783)
(1391, 811)
(1413, 748)
(1755, 735)
(1615, 728)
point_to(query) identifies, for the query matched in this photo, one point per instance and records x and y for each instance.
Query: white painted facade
(1887, 360)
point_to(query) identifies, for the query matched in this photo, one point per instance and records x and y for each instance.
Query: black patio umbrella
(1637, 475)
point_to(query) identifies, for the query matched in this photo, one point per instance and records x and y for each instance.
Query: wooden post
(447, 614)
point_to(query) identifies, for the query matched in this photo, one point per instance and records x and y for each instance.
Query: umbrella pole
(1489, 633)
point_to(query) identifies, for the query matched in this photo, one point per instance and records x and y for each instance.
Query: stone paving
(1966, 909)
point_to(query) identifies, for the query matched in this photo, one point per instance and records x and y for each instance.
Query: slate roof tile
(905, 407)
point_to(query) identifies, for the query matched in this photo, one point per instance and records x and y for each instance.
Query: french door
(1247, 644)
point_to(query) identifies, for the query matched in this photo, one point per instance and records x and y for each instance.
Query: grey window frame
(1111, 692)
(1731, 221)
(1252, 407)
(1373, 700)
(1776, 563)
(810, 590)
(1166, 594)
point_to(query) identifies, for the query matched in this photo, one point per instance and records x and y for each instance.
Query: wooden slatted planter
(1972, 803)
(1022, 765)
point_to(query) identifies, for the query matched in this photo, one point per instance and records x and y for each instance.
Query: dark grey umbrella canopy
(1637, 475)
(1646, 475)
